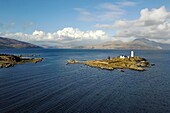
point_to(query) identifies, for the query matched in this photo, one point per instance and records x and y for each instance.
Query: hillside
(139, 44)
(11, 43)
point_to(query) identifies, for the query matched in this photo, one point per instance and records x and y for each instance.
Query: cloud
(66, 37)
(104, 11)
(104, 26)
(126, 3)
(112, 7)
(84, 14)
(152, 24)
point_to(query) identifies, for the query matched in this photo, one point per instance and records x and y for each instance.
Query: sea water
(53, 86)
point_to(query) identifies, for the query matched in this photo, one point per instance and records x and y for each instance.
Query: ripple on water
(52, 86)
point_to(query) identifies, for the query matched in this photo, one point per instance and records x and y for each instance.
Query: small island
(7, 60)
(121, 62)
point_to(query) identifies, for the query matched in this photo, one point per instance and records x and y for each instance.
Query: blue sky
(50, 16)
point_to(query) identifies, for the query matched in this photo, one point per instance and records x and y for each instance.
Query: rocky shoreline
(132, 63)
(7, 60)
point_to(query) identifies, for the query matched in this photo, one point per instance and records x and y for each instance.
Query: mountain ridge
(138, 44)
(13, 43)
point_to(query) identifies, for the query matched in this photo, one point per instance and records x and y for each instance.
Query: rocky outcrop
(133, 63)
(7, 60)
(71, 61)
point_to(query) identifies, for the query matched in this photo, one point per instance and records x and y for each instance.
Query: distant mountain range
(11, 43)
(138, 44)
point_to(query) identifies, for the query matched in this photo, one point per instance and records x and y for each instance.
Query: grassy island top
(133, 63)
(7, 60)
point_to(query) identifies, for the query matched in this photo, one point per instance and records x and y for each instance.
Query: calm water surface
(51, 86)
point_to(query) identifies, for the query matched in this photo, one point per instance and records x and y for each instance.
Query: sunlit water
(52, 86)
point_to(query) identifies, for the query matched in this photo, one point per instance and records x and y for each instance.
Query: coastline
(8, 60)
(132, 63)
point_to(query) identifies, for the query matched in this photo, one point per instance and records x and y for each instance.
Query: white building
(122, 56)
(132, 54)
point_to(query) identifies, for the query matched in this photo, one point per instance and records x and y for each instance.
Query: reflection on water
(52, 86)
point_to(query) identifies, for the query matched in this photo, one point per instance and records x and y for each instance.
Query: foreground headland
(7, 60)
(134, 63)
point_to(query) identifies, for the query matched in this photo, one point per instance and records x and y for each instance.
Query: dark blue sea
(52, 86)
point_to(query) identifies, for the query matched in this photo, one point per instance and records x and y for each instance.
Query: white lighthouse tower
(132, 54)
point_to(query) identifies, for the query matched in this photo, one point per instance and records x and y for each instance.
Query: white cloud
(66, 37)
(77, 34)
(126, 3)
(112, 7)
(38, 33)
(152, 24)
(159, 15)
(104, 11)
(84, 14)
(104, 26)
